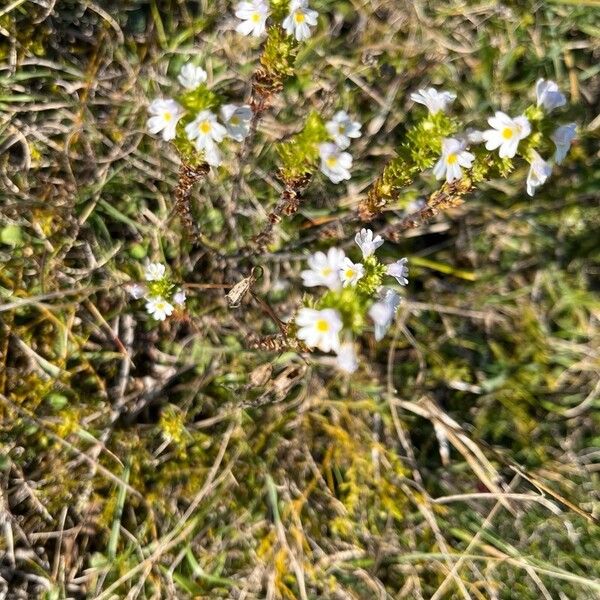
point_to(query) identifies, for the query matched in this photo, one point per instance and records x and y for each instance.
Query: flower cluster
(160, 293)
(335, 163)
(320, 143)
(505, 135)
(253, 15)
(355, 290)
(195, 110)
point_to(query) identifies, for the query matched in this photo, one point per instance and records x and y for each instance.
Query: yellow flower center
(160, 305)
(331, 161)
(326, 271)
(299, 17)
(451, 159)
(507, 133)
(255, 17)
(205, 127)
(234, 120)
(342, 128)
(322, 325)
(167, 116)
(349, 273)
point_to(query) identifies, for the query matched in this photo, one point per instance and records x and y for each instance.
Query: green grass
(175, 461)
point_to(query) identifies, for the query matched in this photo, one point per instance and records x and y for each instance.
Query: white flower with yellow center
(237, 120)
(506, 133)
(300, 20)
(191, 76)
(346, 358)
(324, 269)
(367, 242)
(563, 138)
(454, 156)
(539, 171)
(434, 101)
(341, 128)
(383, 312)
(548, 95)
(334, 163)
(159, 308)
(254, 16)
(205, 131)
(154, 271)
(319, 328)
(351, 273)
(399, 270)
(164, 117)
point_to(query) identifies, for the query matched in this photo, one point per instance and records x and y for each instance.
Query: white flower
(319, 328)
(539, 171)
(324, 269)
(300, 20)
(237, 120)
(454, 156)
(136, 290)
(165, 115)
(367, 242)
(346, 358)
(435, 101)
(154, 271)
(253, 15)
(351, 273)
(383, 311)
(159, 308)
(205, 131)
(562, 138)
(548, 95)
(335, 163)
(179, 297)
(474, 136)
(191, 76)
(506, 133)
(341, 128)
(212, 154)
(399, 270)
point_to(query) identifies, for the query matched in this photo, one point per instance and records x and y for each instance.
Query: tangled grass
(197, 458)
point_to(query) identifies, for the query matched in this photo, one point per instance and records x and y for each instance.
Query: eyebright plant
(197, 120)
(290, 22)
(356, 299)
(357, 296)
(160, 293)
(298, 18)
(438, 140)
(320, 145)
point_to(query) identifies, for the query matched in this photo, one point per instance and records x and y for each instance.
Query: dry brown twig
(188, 176)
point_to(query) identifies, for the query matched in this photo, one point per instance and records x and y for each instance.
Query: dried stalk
(450, 195)
(188, 176)
(287, 205)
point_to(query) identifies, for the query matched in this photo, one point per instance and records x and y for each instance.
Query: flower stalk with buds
(461, 162)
